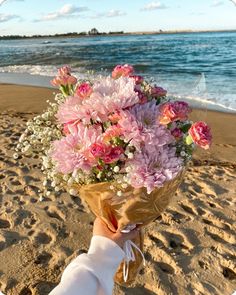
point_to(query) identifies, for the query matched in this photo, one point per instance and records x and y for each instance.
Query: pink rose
(138, 79)
(100, 150)
(66, 70)
(122, 71)
(158, 92)
(201, 135)
(174, 111)
(84, 90)
(114, 155)
(177, 133)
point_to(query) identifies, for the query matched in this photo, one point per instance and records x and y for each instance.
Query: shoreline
(104, 34)
(8, 80)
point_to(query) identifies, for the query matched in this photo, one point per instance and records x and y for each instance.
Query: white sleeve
(92, 273)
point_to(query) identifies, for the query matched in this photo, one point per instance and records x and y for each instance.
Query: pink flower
(63, 71)
(64, 80)
(112, 132)
(110, 96)
(177, 133)
(69, 111)
(138, 79)
(100, 150)
(114, 118)
(71, 127)
(201, 135)
(140, 126)
(83, 90)
(72, 152)
(73, 110)
(174, 111)
(114, 155)
(105, 152)
(64, 77)
(122, 71)
(158, 92)
(142, 97)
(153, 169)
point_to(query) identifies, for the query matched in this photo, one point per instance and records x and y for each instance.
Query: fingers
(132, 234)
(127, 236)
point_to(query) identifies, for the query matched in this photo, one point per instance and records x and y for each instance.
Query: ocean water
(198, 67)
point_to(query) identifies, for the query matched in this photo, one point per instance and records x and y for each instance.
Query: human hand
(101, 229)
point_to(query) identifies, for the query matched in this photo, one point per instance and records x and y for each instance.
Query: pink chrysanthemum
(72, 111)
(140, 126)
(110, 96)
(72, 152)
(153, 169)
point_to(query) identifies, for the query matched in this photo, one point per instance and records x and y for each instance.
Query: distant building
(94, 31)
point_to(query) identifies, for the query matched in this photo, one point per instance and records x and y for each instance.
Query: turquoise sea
(198, 67)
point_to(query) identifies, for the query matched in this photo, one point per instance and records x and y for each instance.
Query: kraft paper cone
(134, 207)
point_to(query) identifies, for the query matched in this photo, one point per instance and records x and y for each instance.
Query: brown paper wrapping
(134, 207)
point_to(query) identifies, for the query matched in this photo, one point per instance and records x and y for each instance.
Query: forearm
(92, 273)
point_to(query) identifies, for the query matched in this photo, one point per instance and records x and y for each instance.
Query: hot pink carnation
(138, 79)
(201, 134)
(174, 111)
(107, 153)
(177, 133)
(158, 92)
(114, 155)
(153, 169)
(122, 71)
(83, 90)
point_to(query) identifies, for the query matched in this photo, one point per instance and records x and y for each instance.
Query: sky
(29, 17)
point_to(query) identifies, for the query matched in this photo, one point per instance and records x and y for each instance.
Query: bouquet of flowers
(120, 144)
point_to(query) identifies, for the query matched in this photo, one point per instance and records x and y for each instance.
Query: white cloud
(66, 11)
(3, 1)
(6, 17)
(114, 13)
(110, 13)
(234, 1)
(217, 3)
(154, 6)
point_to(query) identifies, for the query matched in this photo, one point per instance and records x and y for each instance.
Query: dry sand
(191, 249)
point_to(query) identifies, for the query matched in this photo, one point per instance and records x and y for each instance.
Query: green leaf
(185, 128)
(189, 140)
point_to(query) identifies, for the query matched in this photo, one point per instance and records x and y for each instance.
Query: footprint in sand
(25, 291)
(42, 238)
(43, 258)
(4, 223)
(55, 212)
(218, 235)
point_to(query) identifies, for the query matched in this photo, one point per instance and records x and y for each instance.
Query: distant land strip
(95, 32)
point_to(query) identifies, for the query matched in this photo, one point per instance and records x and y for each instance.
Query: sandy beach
(191, 249)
